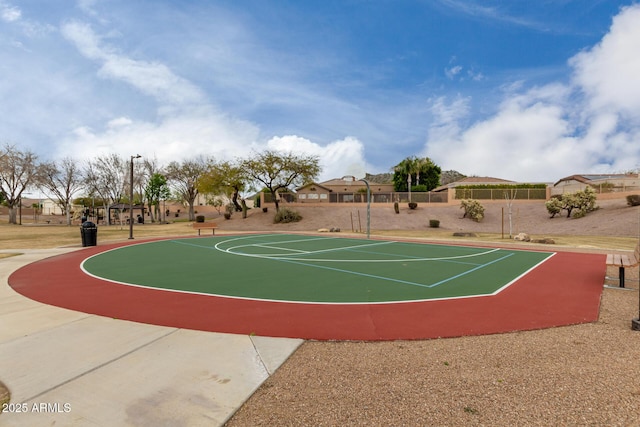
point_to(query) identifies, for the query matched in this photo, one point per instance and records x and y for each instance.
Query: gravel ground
(581, 375)
(613, 218)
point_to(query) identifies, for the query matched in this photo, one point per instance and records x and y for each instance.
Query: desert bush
(578, 213)
(472, 209)
(633, 200)
(576, 204)
(413, 205)
(434, 223)
(285, 215)
(554, 206)
(229, 210)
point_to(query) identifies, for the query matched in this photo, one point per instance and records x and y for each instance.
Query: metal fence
(610, 188)
(360, 197)
(501, 193)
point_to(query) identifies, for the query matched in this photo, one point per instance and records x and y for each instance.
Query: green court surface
(315, 269)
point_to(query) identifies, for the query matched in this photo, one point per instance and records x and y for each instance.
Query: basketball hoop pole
(368, 201)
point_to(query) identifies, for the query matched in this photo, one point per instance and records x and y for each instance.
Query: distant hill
(381, 178)
(447, 177)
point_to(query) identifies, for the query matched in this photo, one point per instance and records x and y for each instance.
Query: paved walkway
(75, 369)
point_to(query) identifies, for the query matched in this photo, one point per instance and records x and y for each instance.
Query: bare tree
(185, 177)
(107, 178)
(510, 196)
(18, 171)
(62, 179)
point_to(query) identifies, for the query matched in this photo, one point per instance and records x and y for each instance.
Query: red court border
(564, 290)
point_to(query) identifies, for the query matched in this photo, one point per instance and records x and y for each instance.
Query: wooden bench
(200, 225)
(624, 261)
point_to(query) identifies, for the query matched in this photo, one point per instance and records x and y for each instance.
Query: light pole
(368, 201)
(137, 156)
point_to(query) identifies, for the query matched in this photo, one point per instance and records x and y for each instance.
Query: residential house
(602, 183)
(343, 190)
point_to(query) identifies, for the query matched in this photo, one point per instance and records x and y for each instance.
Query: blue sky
(518, 89)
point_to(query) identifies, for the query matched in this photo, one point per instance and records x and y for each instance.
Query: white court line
(266, 243)
(470, 271)
(274, 247)
(278, 256)
(344, 248)
(82, 266)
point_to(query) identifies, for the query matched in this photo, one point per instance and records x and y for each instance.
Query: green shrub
(472, 209)
(554, 206)
(413, 205)
(578, 214)
(229, 210)
(633, 200)
(285, 215)
(434, 223)
(576, 204)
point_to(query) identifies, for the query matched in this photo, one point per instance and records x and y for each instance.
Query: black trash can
(89, 233)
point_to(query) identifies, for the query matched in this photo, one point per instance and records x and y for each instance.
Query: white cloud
(119, 122)
(513, 143)
(452, 72)
(87, 6)
(551, 131)
(152, 78)
(186, 125)
(608, 72)
(175, 138)
(9, 13)
(13, 15)
(337, 159)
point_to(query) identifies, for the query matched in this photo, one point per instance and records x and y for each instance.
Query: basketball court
(322, 287)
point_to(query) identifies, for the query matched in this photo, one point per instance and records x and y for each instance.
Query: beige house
(343, 190)
(313, 193)
(603, 183)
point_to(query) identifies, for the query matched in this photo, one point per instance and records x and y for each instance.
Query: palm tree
(407, 167)
(424, 166)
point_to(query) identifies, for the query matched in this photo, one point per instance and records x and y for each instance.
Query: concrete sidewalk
(76, 369)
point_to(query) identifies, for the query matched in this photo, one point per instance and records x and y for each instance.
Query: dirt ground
(613, 218)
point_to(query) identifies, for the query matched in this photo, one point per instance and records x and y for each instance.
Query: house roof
(482, 180)
(474, 180)
(340, 181)
(314, 184)
(590, 178)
